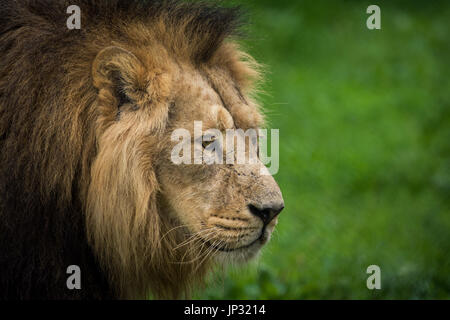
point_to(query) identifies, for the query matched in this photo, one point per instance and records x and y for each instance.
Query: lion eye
(207, 143)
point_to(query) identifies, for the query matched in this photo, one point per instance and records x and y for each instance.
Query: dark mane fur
(203, 25)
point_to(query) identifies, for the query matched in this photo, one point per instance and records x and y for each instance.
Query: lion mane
(62, 200)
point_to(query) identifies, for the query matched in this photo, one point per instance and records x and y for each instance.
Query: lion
(86, 176)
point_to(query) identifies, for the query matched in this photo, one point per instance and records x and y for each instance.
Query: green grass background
(364, 151)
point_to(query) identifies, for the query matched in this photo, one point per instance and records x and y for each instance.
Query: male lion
(86, 176)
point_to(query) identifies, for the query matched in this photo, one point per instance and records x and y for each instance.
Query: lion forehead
(215, 99)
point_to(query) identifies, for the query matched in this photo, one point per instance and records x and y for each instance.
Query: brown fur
(85, 122)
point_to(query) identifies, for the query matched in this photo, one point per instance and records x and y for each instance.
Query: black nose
(266, 213)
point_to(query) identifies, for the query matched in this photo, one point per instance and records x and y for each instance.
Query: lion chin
(86, 171)
(243, 253)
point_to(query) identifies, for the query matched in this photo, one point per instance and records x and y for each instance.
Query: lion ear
(119, 70)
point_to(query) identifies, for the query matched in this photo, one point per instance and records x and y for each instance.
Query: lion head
(153, 225)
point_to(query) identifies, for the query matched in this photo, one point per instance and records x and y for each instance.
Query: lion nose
(266, 213)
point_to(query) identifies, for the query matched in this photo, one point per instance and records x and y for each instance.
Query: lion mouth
(262, 239)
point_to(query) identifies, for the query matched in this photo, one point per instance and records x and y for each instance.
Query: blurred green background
(364, 151)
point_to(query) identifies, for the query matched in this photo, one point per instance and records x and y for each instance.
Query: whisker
(194, 236)
(196, 258)
(180, 226)
(213, 249)
(202, 241)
